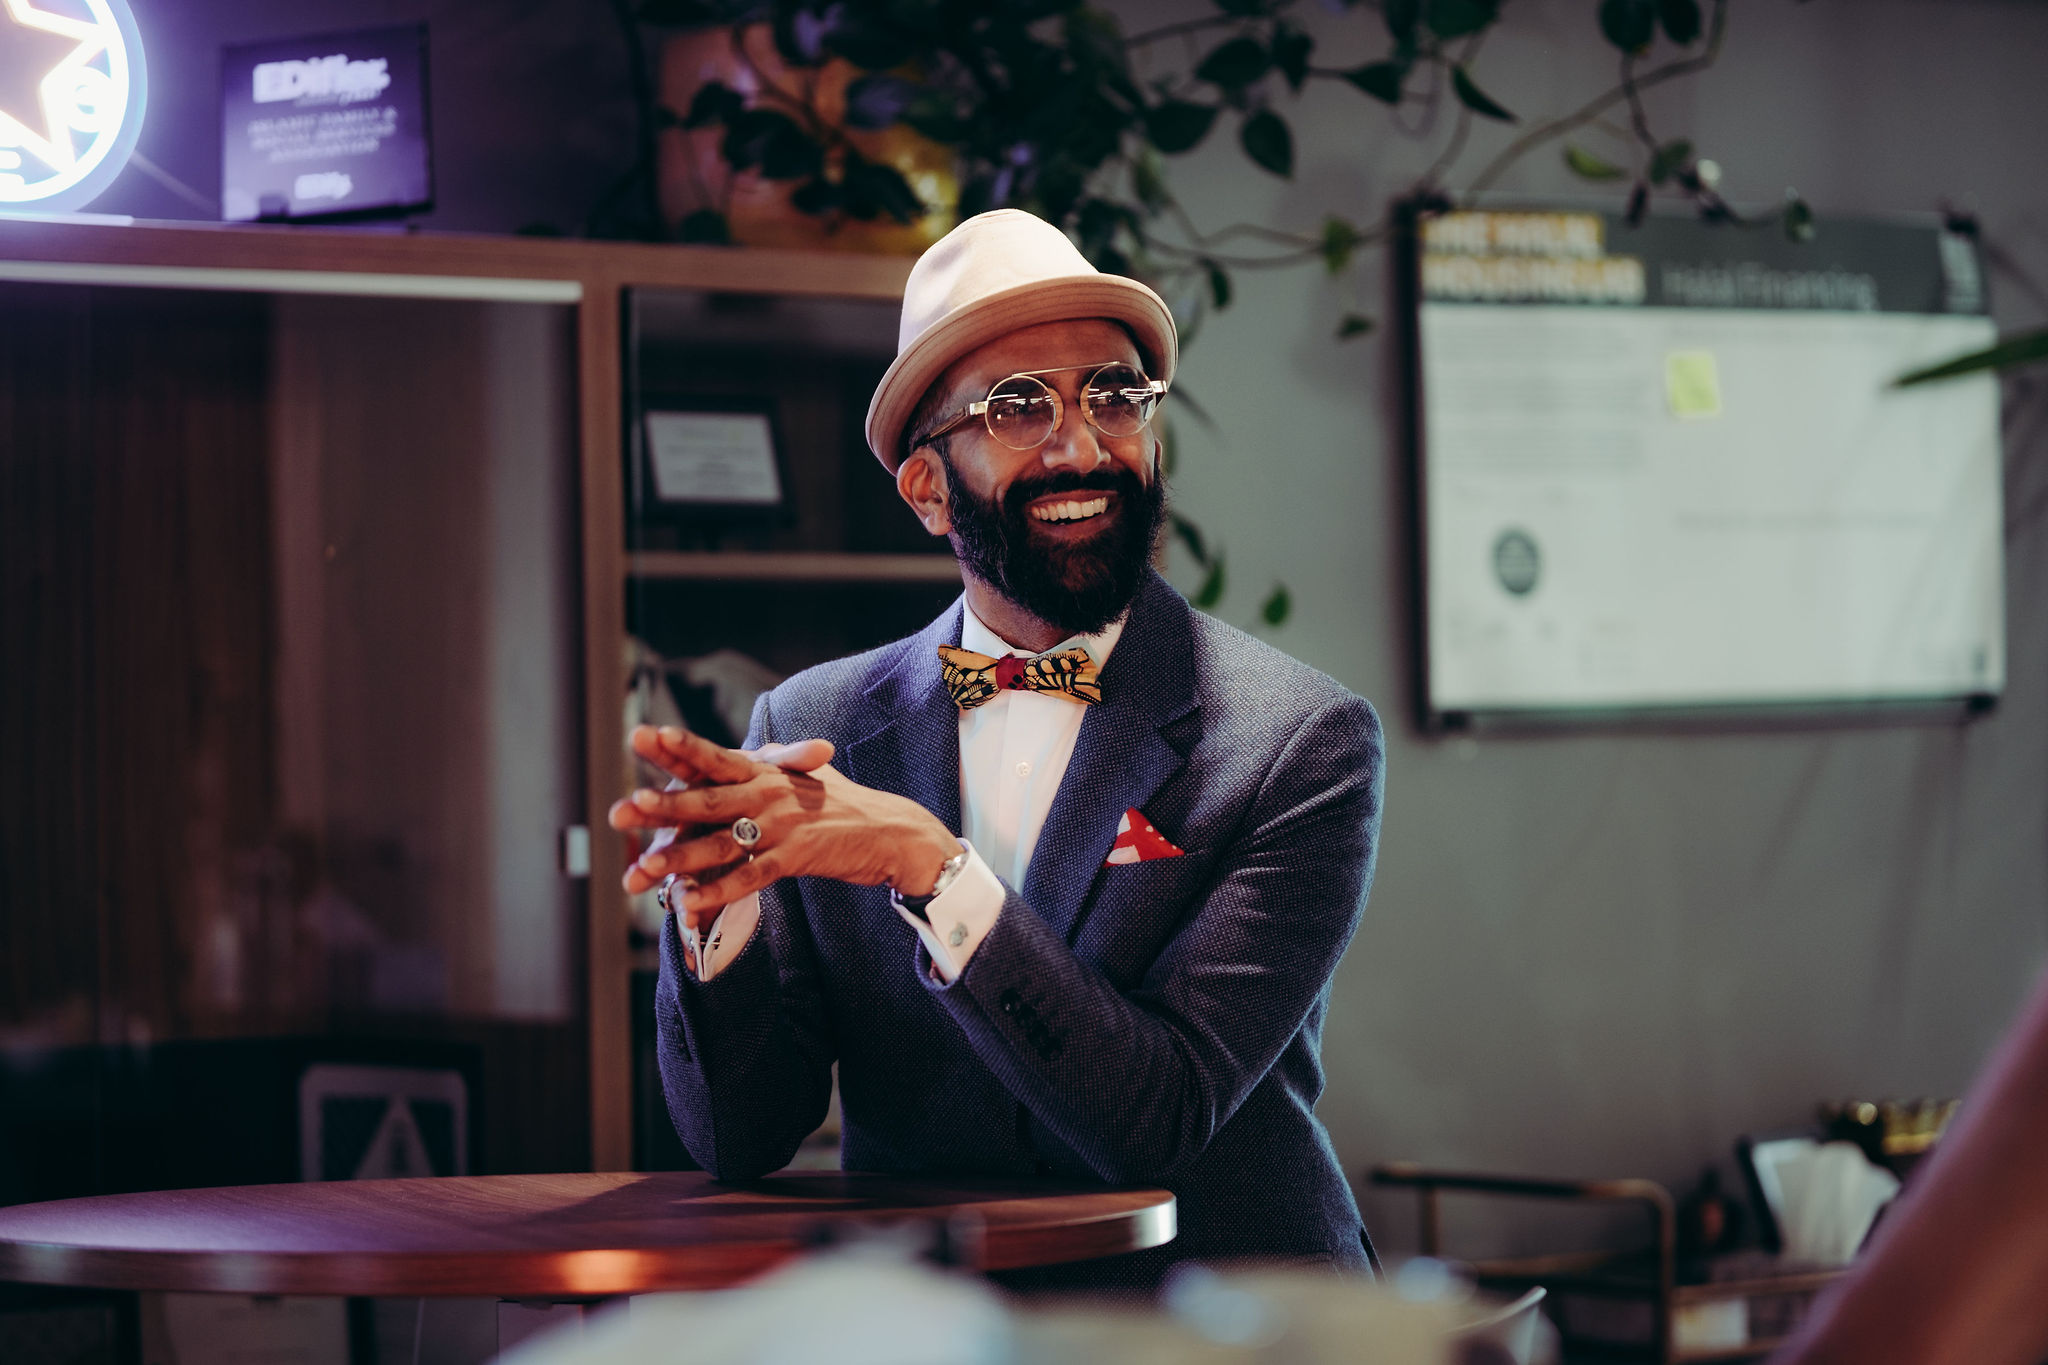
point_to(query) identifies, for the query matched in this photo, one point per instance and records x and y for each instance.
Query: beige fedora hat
(992, 275)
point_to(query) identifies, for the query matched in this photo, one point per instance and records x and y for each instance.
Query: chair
(1768, 1301)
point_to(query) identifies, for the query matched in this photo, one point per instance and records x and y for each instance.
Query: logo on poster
(323, 80)
(72, 91)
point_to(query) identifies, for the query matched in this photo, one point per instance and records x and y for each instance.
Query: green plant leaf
(714, 102)
(878, 101)
(680, 13)
(1219, 284)
(1191, 536)
(772, 143)
(1213, 584)
(1095, 40)
(1291, 52)
(1381, 80)
(1402, 17)
(1267, 141)
(1475, 99)
(816, 197)
(1459, 18)
(706, 226)
(1340, 239)
(1353, 325)
(1098, 223)
(1279, 604)
(1799, 226)
(1638, 205)
(1585, 164)
(1236, 64)
(1629, 24)
(1669, 160)
(2024, 349)
(1681, 20)
(871, 189)
(1148, 180)
(1245, 9)
(868, 45)
(1178, 126)
(933, 115)
(799, 36)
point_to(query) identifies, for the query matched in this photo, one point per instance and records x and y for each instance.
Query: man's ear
(921, 482)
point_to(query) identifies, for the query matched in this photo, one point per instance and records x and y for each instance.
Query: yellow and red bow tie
(976, 678)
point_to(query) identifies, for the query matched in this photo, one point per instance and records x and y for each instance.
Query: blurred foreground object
(872, 1304)
(1956, 1270)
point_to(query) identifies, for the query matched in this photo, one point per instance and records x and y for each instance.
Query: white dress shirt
(1014, 749)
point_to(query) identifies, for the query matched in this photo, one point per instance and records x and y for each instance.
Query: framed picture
(326, 128)
(382, 1122)
(711, 455)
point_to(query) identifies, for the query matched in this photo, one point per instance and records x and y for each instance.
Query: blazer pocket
(1138, 907)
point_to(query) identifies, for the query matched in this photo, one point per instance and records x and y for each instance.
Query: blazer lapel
(916, 750)
(1120, 758)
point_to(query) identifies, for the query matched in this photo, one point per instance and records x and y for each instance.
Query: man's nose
(1074, 446)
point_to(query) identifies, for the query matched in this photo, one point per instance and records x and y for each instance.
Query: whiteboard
(1667, 469)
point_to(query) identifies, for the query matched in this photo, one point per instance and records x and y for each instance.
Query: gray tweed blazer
(1155, 1023)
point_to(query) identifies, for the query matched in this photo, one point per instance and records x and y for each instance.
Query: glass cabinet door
(288, 739)
(763, 538)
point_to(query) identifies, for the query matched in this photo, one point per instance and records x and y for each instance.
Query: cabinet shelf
(793, 568)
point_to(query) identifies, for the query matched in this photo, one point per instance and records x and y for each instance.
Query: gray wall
(1596, 953)
(1606, 953)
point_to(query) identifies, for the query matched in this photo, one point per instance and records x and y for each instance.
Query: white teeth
(1071, 511)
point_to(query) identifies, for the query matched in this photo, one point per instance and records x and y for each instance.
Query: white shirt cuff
(959, 917)
(729, 933)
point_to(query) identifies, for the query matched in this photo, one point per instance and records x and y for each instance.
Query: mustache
(1023, 492)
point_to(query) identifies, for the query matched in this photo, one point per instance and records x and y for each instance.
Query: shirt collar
(976, 636)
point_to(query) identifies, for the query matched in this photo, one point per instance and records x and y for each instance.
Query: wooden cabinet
(322, 548)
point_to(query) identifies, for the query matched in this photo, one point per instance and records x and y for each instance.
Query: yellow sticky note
(1692, 384)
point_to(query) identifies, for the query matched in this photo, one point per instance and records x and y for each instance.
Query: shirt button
(1024, 768)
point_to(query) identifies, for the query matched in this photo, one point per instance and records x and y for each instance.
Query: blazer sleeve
(746, 1058)
(1138, 1082)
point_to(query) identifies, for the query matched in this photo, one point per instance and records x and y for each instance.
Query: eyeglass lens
(1117, 399)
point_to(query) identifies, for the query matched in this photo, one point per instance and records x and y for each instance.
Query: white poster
(1630, 505)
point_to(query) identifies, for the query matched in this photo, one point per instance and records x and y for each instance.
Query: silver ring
(661, 892)
(745, 832)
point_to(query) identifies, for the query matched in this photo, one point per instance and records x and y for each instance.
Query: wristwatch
(948, 874)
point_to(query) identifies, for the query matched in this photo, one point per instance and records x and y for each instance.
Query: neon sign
(72, 90)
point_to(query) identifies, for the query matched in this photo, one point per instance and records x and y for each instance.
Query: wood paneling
(135, 753)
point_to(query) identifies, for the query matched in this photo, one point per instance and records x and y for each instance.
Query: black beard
(1076, 588)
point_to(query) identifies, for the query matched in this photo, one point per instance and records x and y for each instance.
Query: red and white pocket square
(1138, 841)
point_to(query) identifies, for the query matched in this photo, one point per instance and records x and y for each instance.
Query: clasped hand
(814, 821)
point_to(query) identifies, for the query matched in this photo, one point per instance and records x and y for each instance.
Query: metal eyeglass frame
(1157, 388)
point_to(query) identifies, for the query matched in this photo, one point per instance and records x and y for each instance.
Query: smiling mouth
(1060, 511)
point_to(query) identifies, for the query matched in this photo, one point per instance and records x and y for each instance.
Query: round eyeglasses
(1023, 411)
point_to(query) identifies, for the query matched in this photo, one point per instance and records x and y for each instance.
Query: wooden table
(539, 1236)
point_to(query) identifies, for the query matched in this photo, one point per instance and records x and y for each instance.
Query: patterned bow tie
(976, 678)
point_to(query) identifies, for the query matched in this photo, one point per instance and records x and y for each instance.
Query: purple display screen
(324, 127)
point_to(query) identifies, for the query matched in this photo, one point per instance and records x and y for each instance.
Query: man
(1120, 972)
